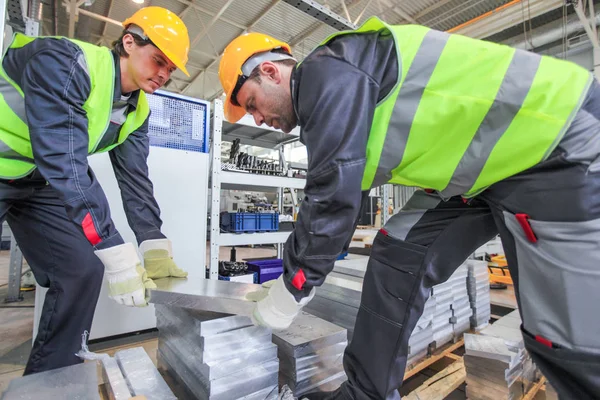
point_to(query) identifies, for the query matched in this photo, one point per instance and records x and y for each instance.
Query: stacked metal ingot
(310, 354)
(496, 362)
(422, 336)
(461, 306)
(338, 299)
(478, 285)
(222, 358)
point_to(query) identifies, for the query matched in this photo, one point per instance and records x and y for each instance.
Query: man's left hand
(158, 259)
(276, 307)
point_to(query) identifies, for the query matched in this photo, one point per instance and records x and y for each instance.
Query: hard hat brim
(232, 112)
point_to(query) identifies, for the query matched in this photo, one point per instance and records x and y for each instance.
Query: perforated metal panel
(178, 122)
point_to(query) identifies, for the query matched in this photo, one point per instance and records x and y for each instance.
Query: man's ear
(269, 70)
(128, 43)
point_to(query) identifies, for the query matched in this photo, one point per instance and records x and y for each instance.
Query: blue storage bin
(249, 222)
(266, 270)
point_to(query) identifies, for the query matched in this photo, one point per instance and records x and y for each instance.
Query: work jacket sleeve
(129, 162)
(335, 104)
(55, 87)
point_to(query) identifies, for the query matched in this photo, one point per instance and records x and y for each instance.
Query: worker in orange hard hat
(502, 141)
(62, 100)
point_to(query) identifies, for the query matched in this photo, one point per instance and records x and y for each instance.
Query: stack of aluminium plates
(478, 285)
(496, 362)
(310, 354)
(217, 358)
(422, 336)
(338, 299)
(461, 306)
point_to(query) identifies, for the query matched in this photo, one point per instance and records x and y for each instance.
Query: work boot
(335, 395)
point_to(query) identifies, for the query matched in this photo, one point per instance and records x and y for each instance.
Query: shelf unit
(249, 134)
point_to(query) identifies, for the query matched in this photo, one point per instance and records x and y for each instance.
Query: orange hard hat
(166, 30)
(235, 56)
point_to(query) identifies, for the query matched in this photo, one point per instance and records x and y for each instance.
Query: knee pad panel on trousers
(392, 276)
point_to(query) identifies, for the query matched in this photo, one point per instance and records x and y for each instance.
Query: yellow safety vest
(466, 113)
(16, 157)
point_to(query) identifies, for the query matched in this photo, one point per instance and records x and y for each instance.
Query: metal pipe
(100, 17)
(547, 34)
(482, 16)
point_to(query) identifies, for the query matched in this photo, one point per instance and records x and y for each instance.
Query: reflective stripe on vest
(467, 113)
(16, 156)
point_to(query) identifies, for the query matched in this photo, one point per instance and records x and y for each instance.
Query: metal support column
(215, 206)
(280, 209)
(385, 200)
(14, 272)
(589, 24)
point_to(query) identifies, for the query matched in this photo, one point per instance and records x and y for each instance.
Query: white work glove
(276, 307)
(127, 279)
(158, 259)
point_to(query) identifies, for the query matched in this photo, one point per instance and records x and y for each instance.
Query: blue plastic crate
(249, 222)
(266, 270)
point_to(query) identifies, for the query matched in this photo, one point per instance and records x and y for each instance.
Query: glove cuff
(156, 244)
(118, 258)
(280, 307)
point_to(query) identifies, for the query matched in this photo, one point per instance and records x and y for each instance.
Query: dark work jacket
(335, 91)
(55, 87)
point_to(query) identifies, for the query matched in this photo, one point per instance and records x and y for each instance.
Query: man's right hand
(127, 279)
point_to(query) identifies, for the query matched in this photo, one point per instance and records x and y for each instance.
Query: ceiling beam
(504, 17)
(214, 19)
(246, 29)
(431, 8)
(205, 11)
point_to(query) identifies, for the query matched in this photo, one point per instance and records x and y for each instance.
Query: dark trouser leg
(418, 248)
(63, 261)
(557, 273)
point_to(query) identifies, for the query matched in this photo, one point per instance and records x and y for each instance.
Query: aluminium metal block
(142, 376)
(307, 335)
(115, 382)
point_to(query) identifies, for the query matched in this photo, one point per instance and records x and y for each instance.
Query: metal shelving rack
(249, 134)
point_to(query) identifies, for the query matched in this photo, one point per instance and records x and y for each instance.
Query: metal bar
(215, 207)
(362, 12)
(72, 17)
(385, 196)
(205, 294)
(110, 6)
(99, 17)
(586, 23)
(405, 15)
(2, 23)
(346, 10)
(14, 272)
(206, 30)
(15, 15)
(246, 29)
(214, 19)
(205, 11)
(321, 13)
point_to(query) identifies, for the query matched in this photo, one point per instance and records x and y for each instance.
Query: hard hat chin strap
(259, 58)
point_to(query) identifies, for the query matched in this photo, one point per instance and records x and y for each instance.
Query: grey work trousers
(548, 218)
(61, 260)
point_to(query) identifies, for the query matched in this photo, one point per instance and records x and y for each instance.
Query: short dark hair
(117, 45)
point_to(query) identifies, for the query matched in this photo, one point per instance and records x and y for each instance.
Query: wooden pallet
(442, 384)
(443, 352)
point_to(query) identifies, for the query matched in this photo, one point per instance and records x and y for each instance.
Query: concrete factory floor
(16, 325)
